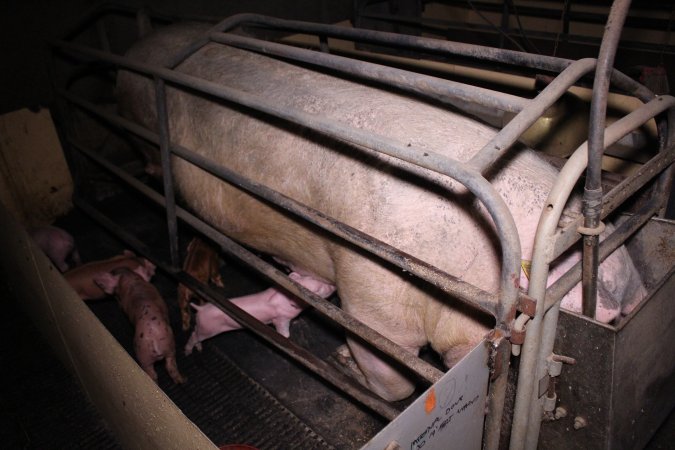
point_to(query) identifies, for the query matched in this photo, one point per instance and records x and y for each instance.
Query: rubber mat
(231, 408)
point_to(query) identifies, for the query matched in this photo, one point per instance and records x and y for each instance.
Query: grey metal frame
(502, 305)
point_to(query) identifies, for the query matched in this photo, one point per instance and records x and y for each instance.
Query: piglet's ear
(128, 253)
(295, 276)
(149, 268)
(107, 282)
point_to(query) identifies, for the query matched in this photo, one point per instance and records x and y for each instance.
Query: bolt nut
(579, 423)
(560, 412)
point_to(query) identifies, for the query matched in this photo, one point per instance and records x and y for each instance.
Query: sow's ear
(107, 282)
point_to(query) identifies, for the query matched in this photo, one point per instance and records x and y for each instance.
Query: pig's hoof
(343, 361)
(179, 379)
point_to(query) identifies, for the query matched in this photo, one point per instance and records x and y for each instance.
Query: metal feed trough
(594, 392)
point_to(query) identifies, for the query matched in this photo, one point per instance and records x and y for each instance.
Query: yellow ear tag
(526, 266)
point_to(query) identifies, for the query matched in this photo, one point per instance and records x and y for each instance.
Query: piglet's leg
(75, 257)
(184, 295)
(193, 342)
(217, 280)
(149, 368)
(283, 326)
(172, 369)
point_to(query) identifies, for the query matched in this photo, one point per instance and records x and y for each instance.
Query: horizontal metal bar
(422, 368)
(436, 88)
(290, 348)
(429, 45)
(562, 285)
(463, 291)
(443, 28)
(580, 16)
(566, 237)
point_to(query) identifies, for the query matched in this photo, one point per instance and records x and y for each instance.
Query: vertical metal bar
(592, 203)
(566, 19)
(102, 34)
(545, 251)
(592, 207)
(167, 176)
(323, 44)
(497, 391)
(504, 24)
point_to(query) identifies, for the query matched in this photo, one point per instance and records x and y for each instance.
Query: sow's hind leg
(390, 312)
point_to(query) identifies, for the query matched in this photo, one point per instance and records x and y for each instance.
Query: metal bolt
(579, 423)
(560, 412)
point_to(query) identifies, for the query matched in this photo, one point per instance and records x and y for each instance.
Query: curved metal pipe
(543, 255)
(572, 171)
(577, 162)
(503, 140)
(592, 203)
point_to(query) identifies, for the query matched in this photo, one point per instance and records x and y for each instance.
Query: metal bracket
(517, 337)
(498, 344)
(526, 305)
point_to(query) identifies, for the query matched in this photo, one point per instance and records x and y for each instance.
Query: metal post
(167, 176)
(593, 189)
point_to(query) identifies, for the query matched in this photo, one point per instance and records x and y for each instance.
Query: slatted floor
(42, 407)
(41, 404)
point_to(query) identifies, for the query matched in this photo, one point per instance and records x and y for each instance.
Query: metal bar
(546, 251)
(478, 298)
(294, 351)
(504, 24)
(563, 284)
(501, 353)
(503, 140)
(591, 204)
(420, 367)
(566, 237)
(593, 188)
(439, 89)
(434, 46)
(167, 173)
(103, 35)
(569, 235)
(580, 15)
(566, 16)
(441, 27)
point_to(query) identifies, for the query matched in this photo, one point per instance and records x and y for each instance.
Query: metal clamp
(597, 231)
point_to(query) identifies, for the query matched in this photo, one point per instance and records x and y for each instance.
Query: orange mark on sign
(430, 402)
